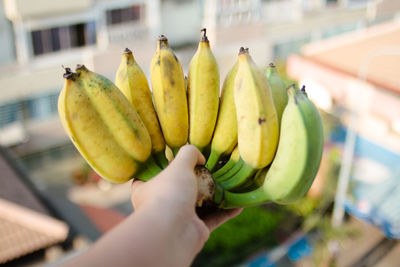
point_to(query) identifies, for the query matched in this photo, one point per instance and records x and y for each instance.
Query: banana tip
(68, 73)
(162, 38)
(243, 50)
(127, 51)
(204, 38)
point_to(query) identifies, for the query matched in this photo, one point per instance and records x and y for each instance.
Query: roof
(14, 189)
(24, 231)
(26, 224)
(365, 49)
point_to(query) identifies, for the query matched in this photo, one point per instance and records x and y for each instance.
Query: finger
(215, 219)
(190, 156)
(135, 185)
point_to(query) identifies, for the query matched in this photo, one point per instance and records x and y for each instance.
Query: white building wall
(7, 52)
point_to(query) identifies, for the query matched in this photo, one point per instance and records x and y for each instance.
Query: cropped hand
(174, 191)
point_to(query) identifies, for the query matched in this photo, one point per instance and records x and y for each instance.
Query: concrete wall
(27, 8)
(181, 21)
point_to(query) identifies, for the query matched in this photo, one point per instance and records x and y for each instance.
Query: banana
(168, 84)
(258, 129)
(131, 80)
(278, 90)
(225, 136)
(203, 94)
(258, 132)
(104, 127)
(296, 162)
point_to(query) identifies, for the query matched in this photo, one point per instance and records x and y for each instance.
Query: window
(123, 15)
(37, 107)
(61, 38)
(42, 107)
(331, 3)
(233, 12)
(10, 113)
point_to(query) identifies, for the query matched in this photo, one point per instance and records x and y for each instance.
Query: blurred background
(346, 53)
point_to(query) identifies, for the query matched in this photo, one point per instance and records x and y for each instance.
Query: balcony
(22, 9)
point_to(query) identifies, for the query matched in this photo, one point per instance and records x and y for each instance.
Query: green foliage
(238, 238)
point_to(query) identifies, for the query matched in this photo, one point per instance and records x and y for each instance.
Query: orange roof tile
(23, 231)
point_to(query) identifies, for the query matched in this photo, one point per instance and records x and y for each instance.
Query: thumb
(189, 156)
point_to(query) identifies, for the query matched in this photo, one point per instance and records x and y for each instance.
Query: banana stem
(175, 150)
(235, 200)
(212, 160)
(161, 159)
(229, 165)
(150, 169)
(231, 172)
(239, 178)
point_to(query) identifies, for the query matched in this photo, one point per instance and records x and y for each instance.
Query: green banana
(131, 80)
(278, 90)
(203, 94)
(104, 127)
(296, 162)
(169, 94)
(225, 136)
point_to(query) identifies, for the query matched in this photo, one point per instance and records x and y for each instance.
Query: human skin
(164, 229)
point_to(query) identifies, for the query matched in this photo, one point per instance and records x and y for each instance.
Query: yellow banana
(258, 131)
(203, 94)
(104, 127)
(169, 94)
(131, 80)
(258, 128)
(225, 136)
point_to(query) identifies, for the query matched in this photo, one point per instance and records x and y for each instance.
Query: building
(355, 78)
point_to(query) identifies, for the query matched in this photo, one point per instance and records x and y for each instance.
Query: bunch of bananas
(263, 142)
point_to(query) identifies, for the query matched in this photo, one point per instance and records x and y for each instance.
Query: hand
(164, 230)
(174, 191)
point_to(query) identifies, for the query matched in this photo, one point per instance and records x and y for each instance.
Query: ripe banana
(258, 129)
(225, 136)
(296, 162)
(278, 90)
(131, 80)
(104, 127)
(169, 94)
(203, 94)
